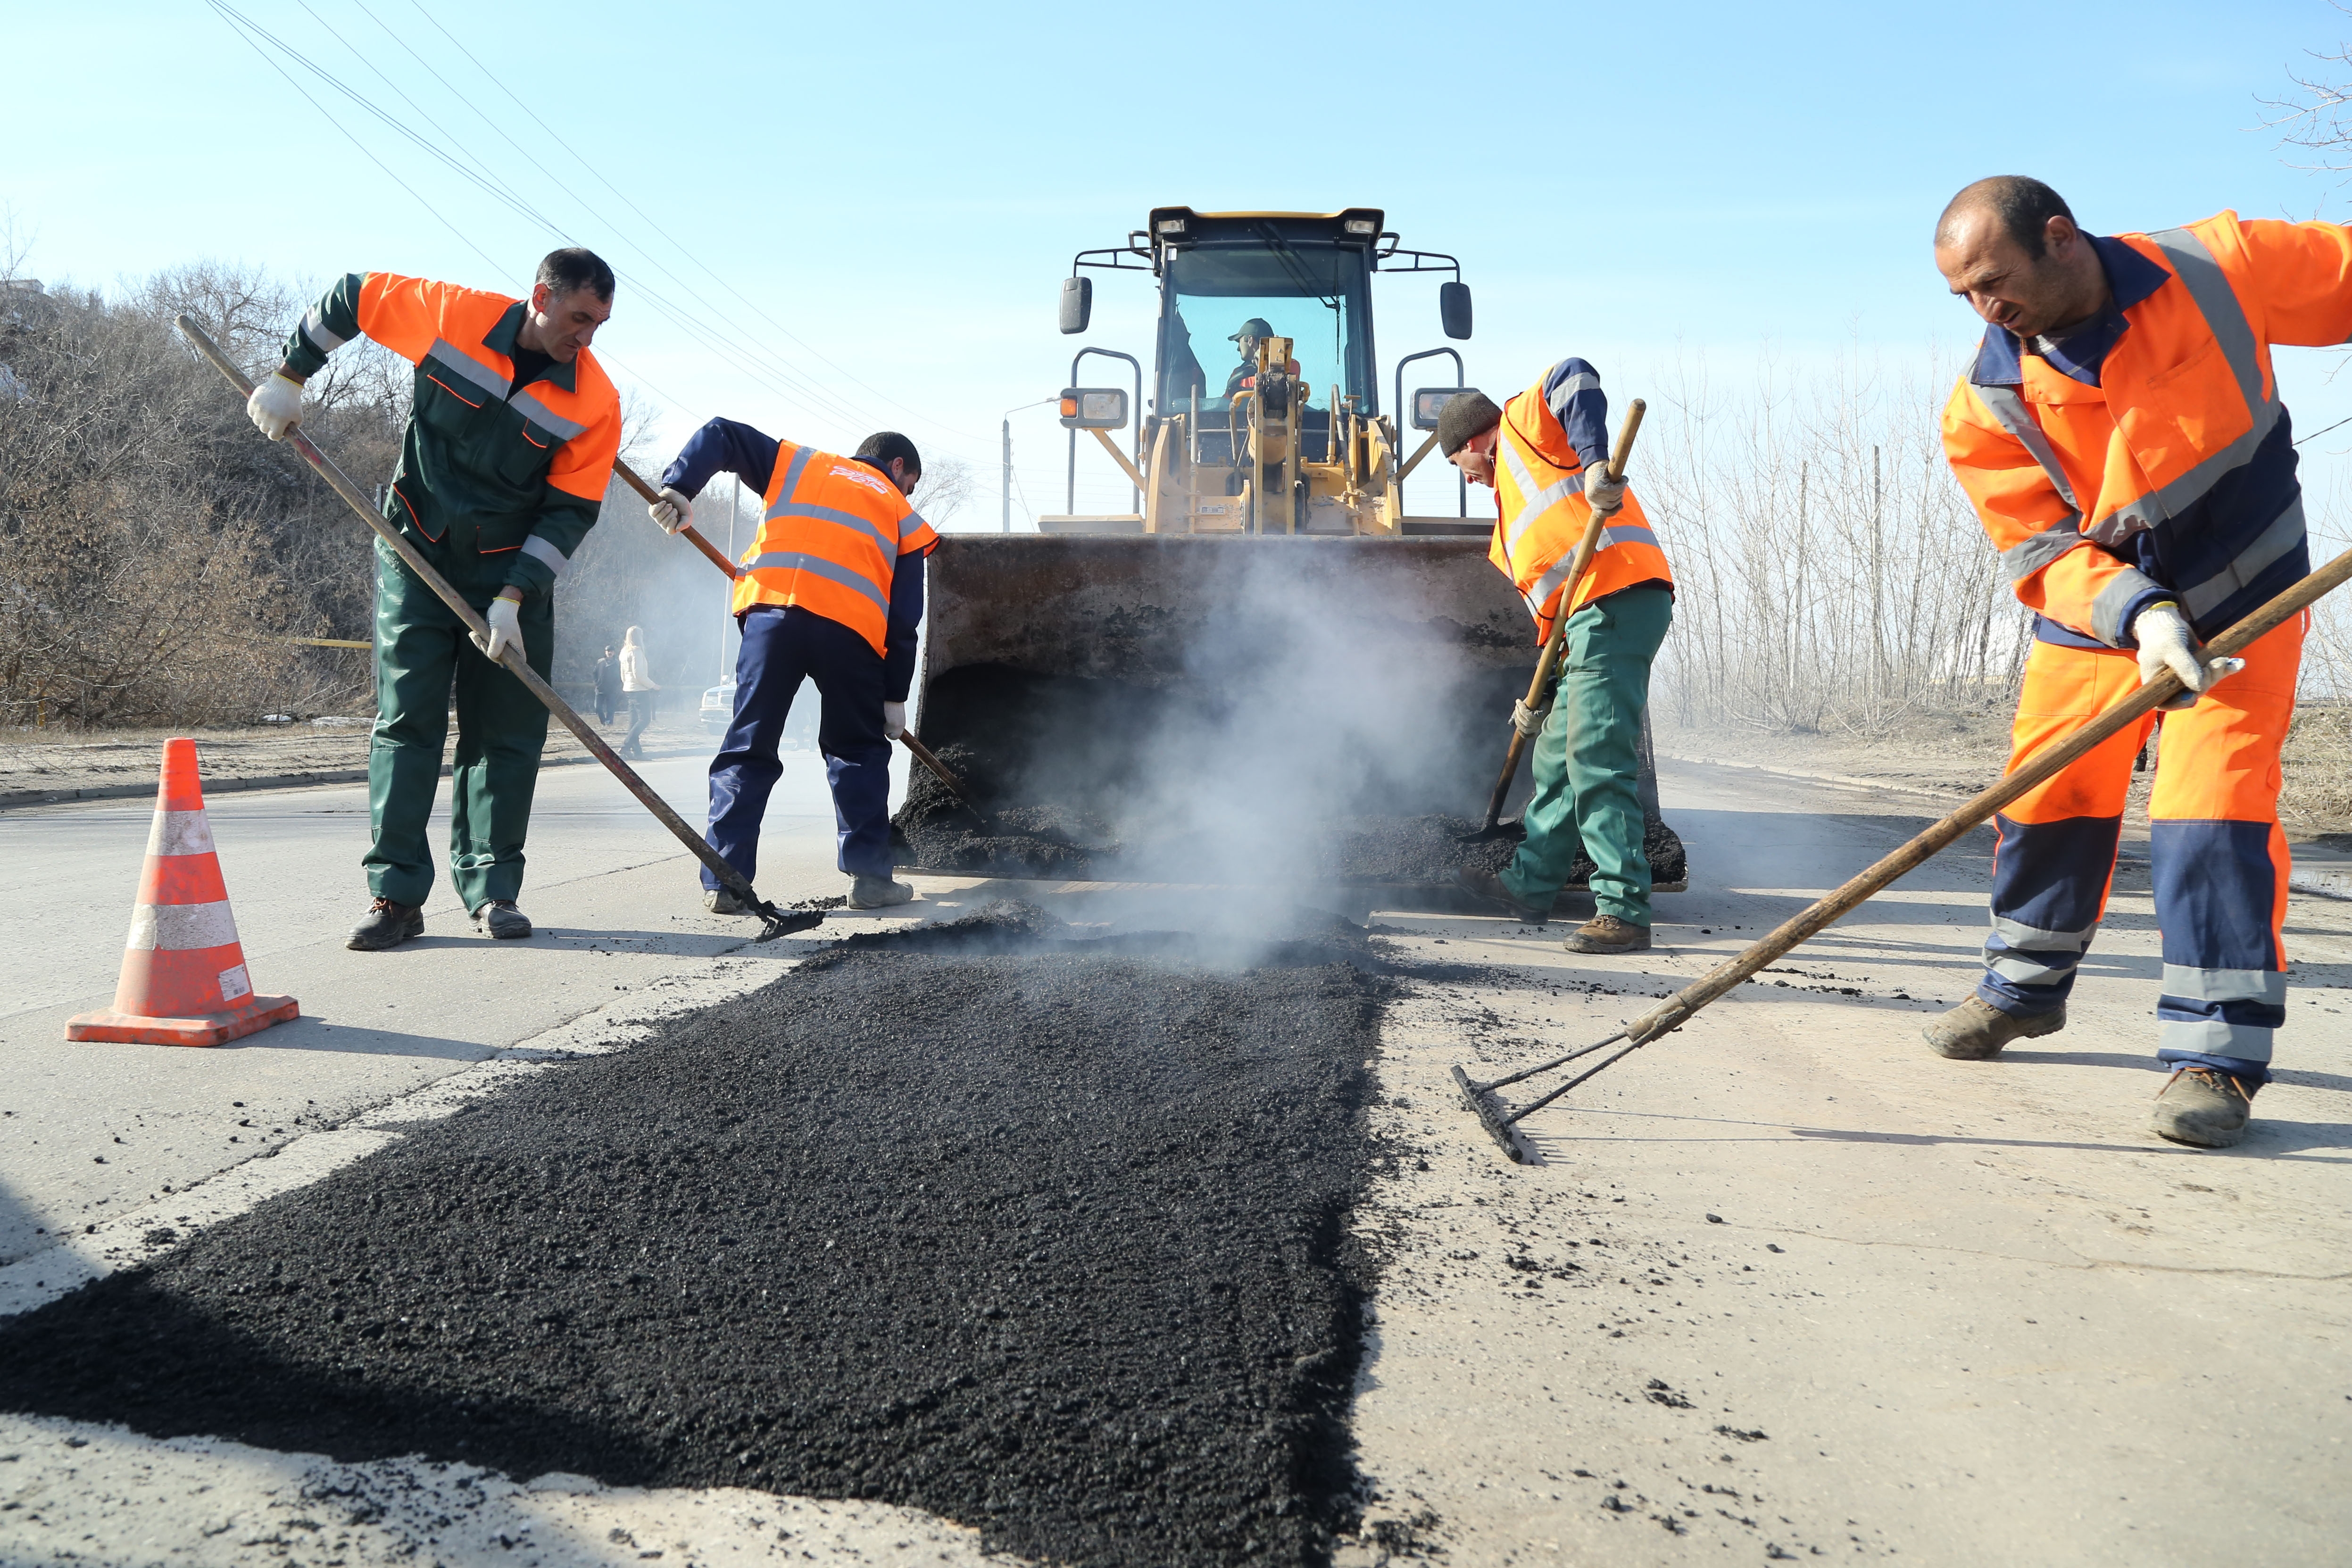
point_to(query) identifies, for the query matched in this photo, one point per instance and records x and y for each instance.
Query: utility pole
(1008, 477)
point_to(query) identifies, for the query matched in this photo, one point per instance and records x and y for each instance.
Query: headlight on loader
(1094, 408)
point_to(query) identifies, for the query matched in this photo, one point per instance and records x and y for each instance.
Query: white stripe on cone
(180, 833)
(175, 928)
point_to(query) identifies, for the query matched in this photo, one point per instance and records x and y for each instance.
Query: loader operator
(834, 594)
(1244, 376)
(1542, 454)
(2122, 439)
(511, 435)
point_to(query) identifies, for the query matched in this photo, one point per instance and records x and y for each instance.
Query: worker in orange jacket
(512, 431)
(2122, 439)
(1543, 452)
(832, 593)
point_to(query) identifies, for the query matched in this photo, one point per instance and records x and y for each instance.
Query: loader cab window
(1315, 295)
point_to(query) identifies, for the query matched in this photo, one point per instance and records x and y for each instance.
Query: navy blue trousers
(782, 647)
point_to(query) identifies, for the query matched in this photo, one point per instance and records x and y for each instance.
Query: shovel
(1501, 1125)
(774, 922)
(1586, 547)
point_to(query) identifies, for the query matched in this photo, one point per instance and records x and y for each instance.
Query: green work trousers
(424, 655)
(1586, 759)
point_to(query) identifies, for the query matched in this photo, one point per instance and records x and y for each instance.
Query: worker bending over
(1542, 453)
(512, 430)
(832, 592)
(2123, 440)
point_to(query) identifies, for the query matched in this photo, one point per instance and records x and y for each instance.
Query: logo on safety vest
(859, 474)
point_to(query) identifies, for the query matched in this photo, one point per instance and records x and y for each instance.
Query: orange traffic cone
(183, 979)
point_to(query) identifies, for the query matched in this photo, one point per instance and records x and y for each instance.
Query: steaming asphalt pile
(1041, 1235)
(1072, 774)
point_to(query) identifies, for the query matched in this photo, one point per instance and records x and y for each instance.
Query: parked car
(719, 707)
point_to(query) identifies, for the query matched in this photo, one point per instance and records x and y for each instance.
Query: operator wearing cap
(1254, 330)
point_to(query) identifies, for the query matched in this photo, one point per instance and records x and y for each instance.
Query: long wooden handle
(513, 657)
(694, 537)
(1586, 549)
(2045, 764)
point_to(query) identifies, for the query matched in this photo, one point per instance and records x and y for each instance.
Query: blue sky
(875, 204)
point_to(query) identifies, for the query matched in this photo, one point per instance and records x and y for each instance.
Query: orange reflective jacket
(501, 482)
(832, 536)
(1542, 514)
(2175, 476)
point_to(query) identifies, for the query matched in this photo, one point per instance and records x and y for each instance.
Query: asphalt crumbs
(1042, 1235)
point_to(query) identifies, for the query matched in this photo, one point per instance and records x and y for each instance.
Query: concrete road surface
(1782, 1285)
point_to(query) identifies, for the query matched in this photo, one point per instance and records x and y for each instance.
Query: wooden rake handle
(2045, 765)
(693, 536)
(1586, 549)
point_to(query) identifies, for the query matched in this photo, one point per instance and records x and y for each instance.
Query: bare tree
(944, 490)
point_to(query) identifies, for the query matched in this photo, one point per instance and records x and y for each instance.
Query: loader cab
(1263, 411)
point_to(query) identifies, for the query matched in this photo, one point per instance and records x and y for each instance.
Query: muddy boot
(2204, 1107)
(501, 918)
(1488, 887)
(720, 901)
(879, 893)
(1607, 933)
(1976, 1030)
(385, 925)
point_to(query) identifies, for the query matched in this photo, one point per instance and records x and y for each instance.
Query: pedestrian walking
(608, 684)
(1543, 455)
(638, 684)
(832, 592)
(512, 430)
(2121, 436)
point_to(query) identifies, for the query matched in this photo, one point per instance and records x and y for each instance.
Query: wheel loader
(1267, 673)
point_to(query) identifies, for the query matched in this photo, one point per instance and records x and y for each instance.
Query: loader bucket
(1270, 710)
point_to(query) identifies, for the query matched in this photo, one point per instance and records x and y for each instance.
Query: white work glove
(894, 720)
(2166, 642)
(1528, 721)
(505, 617)
(276, 406)
(673, 511)
(1605, 494)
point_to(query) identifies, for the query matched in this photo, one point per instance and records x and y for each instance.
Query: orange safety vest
(1542, 515)
(2176, 475)
(831, 538)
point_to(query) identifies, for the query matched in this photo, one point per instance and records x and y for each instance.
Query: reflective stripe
(180, 833)
(314, 327)
(2107, 607)
(2021, 970)
(2032, 553)
(2211, 1037)
(1612, 534)
(2035, 939)
(1627, 534)
(2019, 421)
(889, 547)
(546, 417)
(2225, 985)
(817, 565)
(801, 455)
(458, 362)
(2209, 287)
(1583, 381)
(1538, 501)
(2284, 535)
(544, 552)
(175, 928)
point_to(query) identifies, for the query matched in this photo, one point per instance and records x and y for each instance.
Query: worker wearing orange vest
(832, 592)
(2121, 438)
(512, 430)
(1542, 453)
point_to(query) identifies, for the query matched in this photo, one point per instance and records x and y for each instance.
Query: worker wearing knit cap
(1544, 454)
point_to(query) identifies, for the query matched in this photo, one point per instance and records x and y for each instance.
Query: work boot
(1490, 886)
(501, 918)
(2204, 1107)
(720, 901)
(1976, 1030)
(1607, 933)
(387, 923)
(879, 893)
